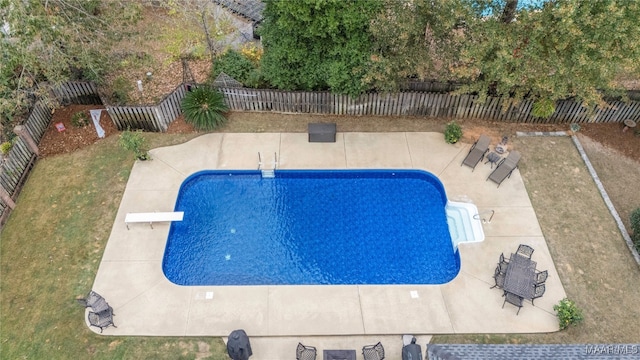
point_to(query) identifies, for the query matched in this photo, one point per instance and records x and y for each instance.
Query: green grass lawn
(50, 251)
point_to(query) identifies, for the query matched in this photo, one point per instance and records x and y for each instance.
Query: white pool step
(464, 226)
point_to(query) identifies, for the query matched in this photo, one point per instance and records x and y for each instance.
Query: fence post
(21, 131)
(6, 198)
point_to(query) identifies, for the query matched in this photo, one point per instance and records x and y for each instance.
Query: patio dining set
(518, 277)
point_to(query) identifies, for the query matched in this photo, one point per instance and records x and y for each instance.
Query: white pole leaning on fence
(21, 131)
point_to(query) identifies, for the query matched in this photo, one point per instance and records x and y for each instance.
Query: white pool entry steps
(464, 226)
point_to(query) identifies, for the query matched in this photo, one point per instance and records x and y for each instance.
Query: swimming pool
(311, 227)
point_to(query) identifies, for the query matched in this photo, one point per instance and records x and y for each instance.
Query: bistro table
(493, 158)
(520, 276)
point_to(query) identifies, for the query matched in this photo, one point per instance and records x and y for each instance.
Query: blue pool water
(311, 227)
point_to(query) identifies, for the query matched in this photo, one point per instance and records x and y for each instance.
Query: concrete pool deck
(130, 275)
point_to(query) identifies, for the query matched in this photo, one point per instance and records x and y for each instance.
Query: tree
(567, 48)
(215, 27)
(48, 42)
(317, 44)
(419, 38)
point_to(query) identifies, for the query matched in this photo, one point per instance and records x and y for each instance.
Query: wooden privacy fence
(77, 92)
(15, 166)
(149, 117)
(422, 104)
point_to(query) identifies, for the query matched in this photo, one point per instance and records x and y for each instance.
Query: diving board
(152, 217)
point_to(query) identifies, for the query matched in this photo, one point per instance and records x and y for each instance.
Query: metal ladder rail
(268, 173)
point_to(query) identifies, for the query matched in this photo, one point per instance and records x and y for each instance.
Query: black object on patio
(238, 345)
(304, 352)
(373, 352)
(322, 132)
(412, 351)
(101, 319)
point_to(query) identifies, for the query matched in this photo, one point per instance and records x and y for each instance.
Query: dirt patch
(73, 138)
(611, 136)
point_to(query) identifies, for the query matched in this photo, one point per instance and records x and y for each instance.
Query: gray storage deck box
(322, 132)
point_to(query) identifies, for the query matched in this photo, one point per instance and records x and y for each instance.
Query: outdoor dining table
(520, 276)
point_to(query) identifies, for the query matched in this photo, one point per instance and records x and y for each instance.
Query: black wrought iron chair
(525, 250)
(503, 263)
(90, 300)
(96, 302)
(498, 277)
(538, 291)
(541, 277)
(305, 352)
(373, 352)
(102, 319)
(513, 299)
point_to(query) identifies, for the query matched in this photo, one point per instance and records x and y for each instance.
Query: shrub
(635, 226)
(203, 108)
(233, 64)
(252, 52)
(5, 147)
(133, 141)
(80, 119)
(568, 313)
(543, 108)
(120, 91)
(452, 133)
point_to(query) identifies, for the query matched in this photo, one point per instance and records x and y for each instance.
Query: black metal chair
(538, 291)
(305, 352)
(513, 299)
(541, 277)
(498, 277)
(373, 352)
(525, 250)
(90, 300)
(504, 263)
(102, 319)
(96, 302)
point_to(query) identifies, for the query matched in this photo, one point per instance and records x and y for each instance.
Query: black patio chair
(498, 277)
(525, 250)
(305, 352)
(513, 299)
(541, 277)
(538, 291)
(102, 319)
(96, 302)
(92, 298)
(373, 352)
(504, 263)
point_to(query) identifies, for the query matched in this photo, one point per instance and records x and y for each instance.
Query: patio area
(130, 275)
